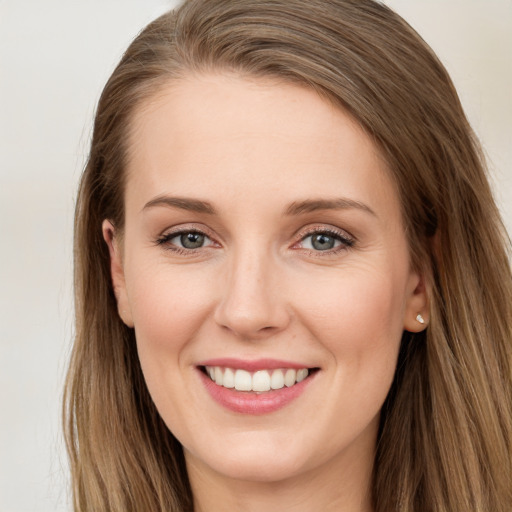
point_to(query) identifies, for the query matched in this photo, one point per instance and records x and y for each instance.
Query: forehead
(211, 133)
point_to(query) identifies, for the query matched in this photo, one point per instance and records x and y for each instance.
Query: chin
(256, 462)
(257, 468)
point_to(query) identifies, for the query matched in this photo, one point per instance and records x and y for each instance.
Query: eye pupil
(192, 240)
(322, 242)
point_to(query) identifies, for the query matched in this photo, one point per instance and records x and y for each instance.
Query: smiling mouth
(259, 381)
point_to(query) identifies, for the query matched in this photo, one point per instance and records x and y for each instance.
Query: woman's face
(263, 241)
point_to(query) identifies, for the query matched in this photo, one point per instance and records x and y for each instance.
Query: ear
(117, 272)
(417, 314)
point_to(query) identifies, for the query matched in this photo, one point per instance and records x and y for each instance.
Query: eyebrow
(183, 203)
(313, 205)
(295, 208)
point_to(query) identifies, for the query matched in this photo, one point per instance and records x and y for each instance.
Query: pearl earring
(420, 319)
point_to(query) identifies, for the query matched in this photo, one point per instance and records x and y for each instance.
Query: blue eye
(188, 240)
(191, 240)
(325, 241)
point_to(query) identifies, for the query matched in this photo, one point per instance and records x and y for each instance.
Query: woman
(293, 290)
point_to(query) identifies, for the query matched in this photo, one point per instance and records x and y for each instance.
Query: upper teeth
(262, 380)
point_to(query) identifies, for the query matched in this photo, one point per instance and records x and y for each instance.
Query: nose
(252, 304)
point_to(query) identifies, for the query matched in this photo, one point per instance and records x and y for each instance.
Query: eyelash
(346, 242)
(165, 240)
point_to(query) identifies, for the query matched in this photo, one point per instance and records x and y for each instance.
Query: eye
(320, 242)
(192, 240)
(324, 241)
(185, 240)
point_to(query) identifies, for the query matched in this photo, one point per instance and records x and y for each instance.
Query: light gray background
(55, 56)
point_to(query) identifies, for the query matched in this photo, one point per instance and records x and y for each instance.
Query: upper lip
(253, 365)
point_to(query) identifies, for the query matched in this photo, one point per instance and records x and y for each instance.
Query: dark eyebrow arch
(312, 205)
(183, 203)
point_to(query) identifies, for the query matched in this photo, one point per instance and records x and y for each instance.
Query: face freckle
(263, 234)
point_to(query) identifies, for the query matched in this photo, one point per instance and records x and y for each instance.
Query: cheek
(360, 323)
(356, 310)
(168, 308)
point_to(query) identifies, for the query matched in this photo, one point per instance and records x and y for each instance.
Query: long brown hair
(445, 439)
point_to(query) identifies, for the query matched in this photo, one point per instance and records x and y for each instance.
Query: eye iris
(192, 240)
(322, 242)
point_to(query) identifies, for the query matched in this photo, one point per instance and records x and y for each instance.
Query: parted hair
(445, 436)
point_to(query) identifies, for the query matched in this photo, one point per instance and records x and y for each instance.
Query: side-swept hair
(445, 438)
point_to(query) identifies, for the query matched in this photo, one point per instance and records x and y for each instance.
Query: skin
(258, 288)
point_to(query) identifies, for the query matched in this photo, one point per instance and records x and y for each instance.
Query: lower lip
(245, 402)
